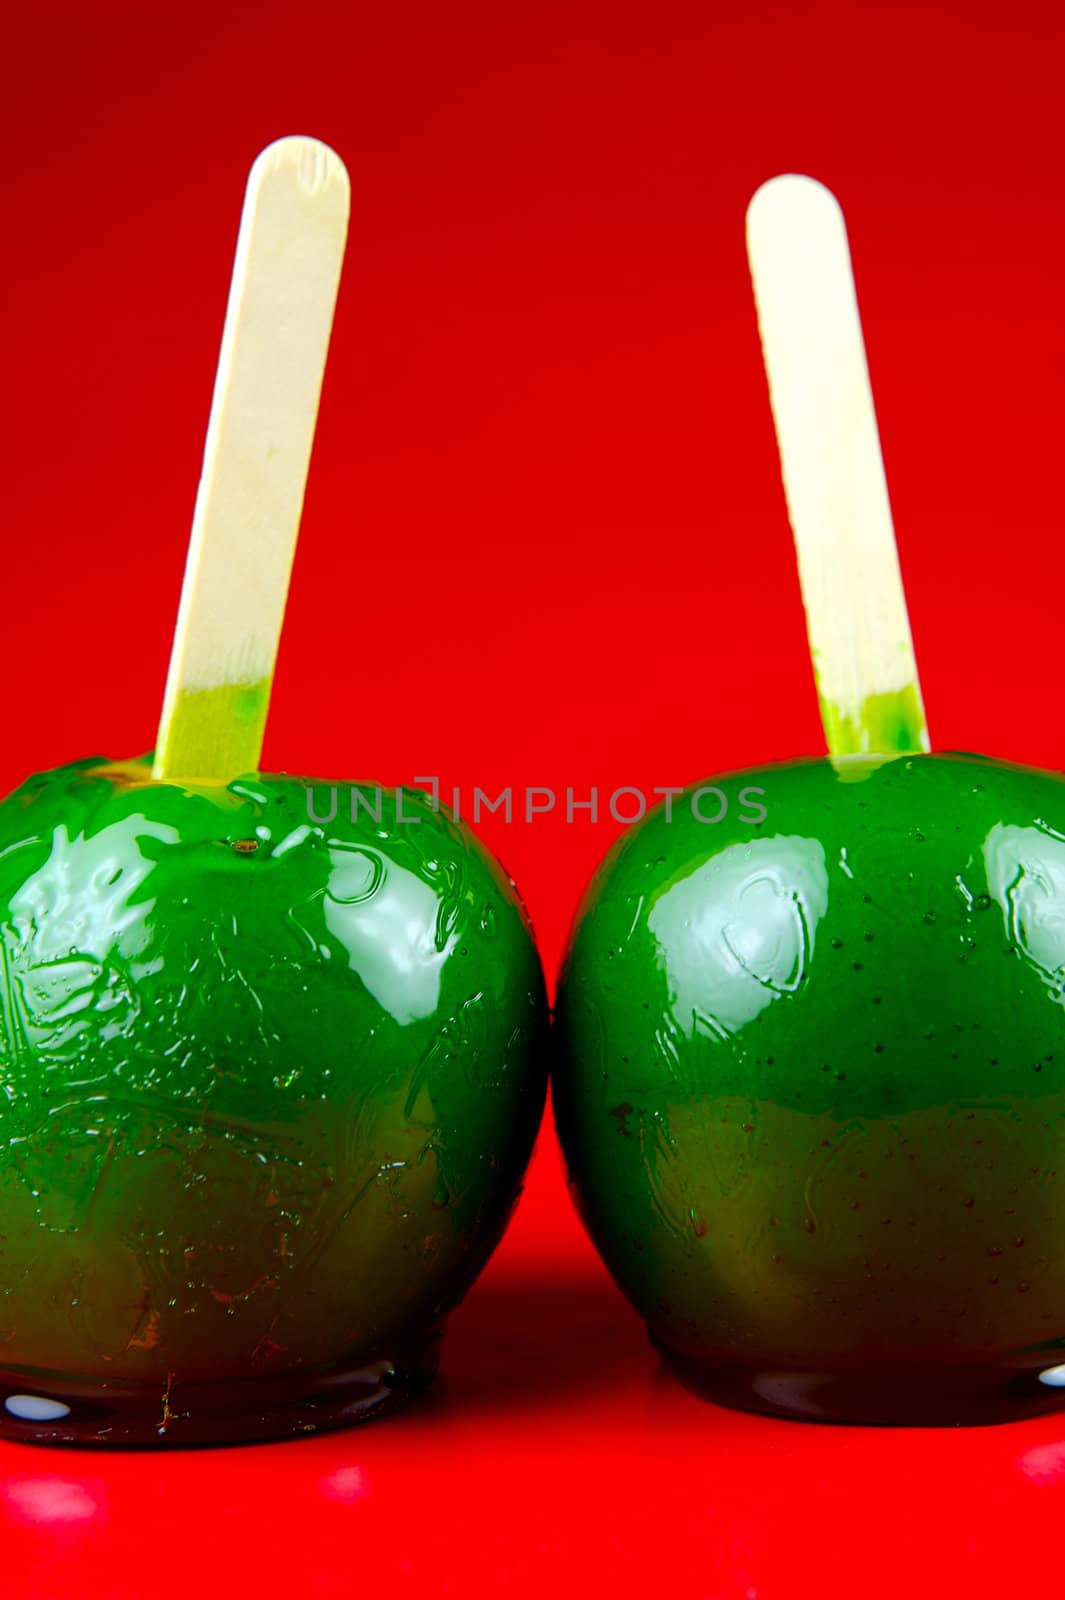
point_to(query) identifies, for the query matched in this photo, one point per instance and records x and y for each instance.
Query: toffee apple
(813, 1097)
(269, 1082)
(812, 1084)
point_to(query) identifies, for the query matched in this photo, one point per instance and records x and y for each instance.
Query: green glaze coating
(267, 1092)
(812, 1087)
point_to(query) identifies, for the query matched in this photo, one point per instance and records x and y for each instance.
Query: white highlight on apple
(35, 1408)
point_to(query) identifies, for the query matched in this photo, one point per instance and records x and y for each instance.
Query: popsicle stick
(856, 618)
(278, 321)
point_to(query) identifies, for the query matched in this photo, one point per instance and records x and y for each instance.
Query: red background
(544, 543)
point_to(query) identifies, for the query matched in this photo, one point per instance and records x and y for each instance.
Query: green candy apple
(268, 1086)
(812, 1086)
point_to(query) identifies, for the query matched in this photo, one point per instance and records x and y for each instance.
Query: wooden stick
(856, 617)
(278, 321)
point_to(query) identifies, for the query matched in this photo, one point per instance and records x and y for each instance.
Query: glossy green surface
(267, 1087)
(812, 1096)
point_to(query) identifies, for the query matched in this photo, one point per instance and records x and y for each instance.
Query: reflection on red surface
(347, 1485)
(38, 1498)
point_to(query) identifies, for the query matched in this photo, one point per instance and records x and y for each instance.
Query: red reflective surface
(544, 441)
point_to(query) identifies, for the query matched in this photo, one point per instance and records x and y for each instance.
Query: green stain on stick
(215, 734)
(892, 723)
